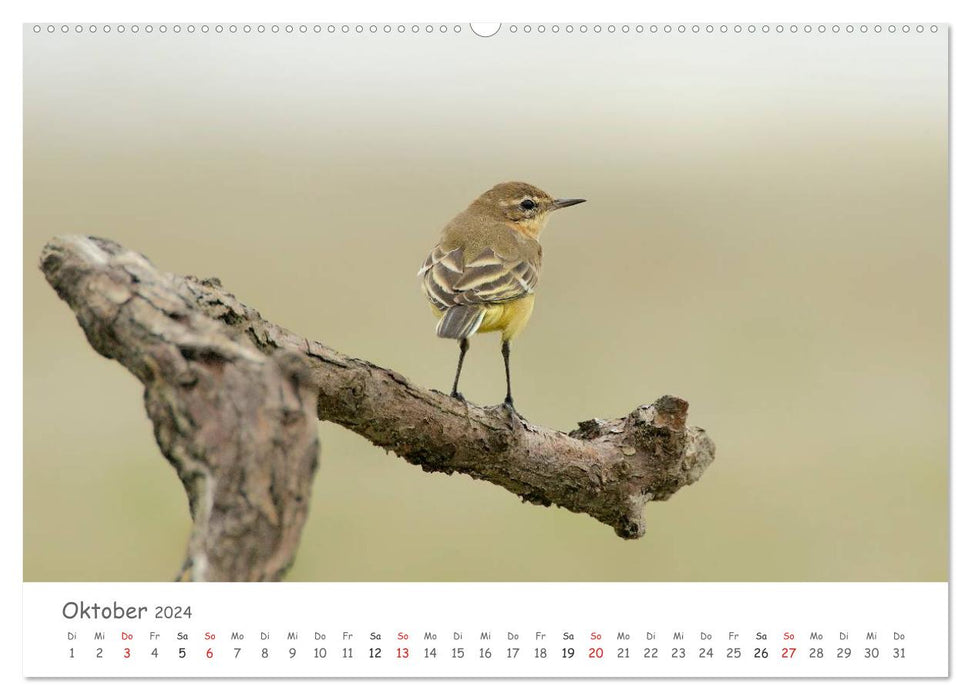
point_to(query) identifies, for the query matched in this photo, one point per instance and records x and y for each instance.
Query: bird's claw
(509, 408)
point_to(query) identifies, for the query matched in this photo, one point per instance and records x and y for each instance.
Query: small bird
(482, 275)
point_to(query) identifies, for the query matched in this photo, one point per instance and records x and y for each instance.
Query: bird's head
(521, 205)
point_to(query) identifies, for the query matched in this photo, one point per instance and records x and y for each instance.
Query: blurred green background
(765, 236)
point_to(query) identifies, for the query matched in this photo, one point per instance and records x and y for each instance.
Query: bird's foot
(510, 408)
(457, 395)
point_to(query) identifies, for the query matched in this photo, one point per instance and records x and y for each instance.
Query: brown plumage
(483, 273)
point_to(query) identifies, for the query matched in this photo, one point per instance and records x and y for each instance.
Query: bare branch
(230, 395)
(238, 425)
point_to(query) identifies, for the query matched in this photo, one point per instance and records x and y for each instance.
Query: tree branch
(233, 398)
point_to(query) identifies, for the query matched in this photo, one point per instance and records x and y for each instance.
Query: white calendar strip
(486, 629)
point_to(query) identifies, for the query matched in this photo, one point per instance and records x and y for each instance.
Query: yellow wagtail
(482, 274)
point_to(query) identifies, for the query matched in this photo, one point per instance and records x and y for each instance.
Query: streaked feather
(489, 278)
(477, 277)
(438, 296)
(453, 261)
(460, 322)
(485, 258)
(434, 256)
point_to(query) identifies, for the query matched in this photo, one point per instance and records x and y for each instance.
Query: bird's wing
(488, 278)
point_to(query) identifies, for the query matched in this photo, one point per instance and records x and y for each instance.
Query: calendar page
(451, 350)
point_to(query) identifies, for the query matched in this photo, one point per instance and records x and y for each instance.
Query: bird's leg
(505, 358)
(463, 348)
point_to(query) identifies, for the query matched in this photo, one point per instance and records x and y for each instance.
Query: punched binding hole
(485, 29)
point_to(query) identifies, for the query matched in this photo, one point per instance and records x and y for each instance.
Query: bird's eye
(528, 204)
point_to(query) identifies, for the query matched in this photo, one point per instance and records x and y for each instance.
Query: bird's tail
(460, 322)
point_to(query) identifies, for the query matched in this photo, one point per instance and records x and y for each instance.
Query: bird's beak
(561, 203)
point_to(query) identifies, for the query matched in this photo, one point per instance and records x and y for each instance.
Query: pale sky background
(765, 236)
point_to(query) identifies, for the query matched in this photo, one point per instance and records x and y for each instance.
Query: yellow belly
(510, 318)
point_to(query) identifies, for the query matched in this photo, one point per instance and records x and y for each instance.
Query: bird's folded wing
(487, 279)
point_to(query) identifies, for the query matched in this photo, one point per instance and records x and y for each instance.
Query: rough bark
(233, 397)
